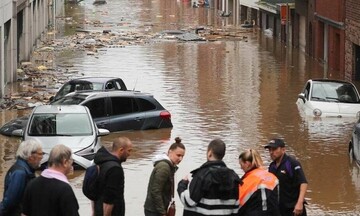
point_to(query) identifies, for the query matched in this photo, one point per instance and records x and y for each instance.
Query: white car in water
(71, 125)
(329, 98)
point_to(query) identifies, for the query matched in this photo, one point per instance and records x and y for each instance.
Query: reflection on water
(242, 92)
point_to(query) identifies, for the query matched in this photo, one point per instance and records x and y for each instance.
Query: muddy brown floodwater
(241, 90)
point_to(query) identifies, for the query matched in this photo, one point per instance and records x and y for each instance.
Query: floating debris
(189, 37)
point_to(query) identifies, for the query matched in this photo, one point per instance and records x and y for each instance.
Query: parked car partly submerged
(90, 83)
(77, 84)
(329, 98)
(71, 125)
(112, 110)
(354, 144)
(121, 110)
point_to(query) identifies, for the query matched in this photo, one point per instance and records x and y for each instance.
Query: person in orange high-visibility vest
(259, 192)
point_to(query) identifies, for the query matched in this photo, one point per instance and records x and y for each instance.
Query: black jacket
(291, 176)
(213, 190)
(111, 184)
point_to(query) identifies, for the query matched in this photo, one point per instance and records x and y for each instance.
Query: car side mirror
(17, 132)
(302, 97)
(103, 132)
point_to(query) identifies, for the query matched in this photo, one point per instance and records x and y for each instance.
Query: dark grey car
(121, 110)
(111, 110)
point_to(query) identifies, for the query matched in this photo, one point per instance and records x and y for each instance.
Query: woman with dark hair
(258, 194)
(161, 182)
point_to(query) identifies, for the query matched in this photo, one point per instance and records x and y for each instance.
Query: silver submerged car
(71, 125)
(90, 83)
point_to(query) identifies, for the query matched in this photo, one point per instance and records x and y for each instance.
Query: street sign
(283, 13)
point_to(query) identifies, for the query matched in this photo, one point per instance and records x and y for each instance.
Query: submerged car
(90, 83)
(111, 110)
(354, 144)
(121, 110)
(329, 98)
(71, 125)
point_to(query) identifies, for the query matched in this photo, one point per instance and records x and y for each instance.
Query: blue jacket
(16, 180)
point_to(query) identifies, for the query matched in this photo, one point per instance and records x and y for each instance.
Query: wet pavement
(239, 86)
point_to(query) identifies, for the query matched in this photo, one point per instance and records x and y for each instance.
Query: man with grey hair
(51, 193)
(28, 157)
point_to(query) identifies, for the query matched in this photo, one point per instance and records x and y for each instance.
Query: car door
(356, 140)
(99, 111)
(125, 114)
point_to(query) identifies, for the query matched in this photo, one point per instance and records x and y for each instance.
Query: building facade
(22, 22)
(249, 10)
(352, 40)
(329, 33)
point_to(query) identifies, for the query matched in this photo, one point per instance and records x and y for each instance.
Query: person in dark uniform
(292, 180)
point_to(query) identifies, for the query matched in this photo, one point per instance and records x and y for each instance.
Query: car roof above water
(103, 93)
(94, 79)
(330, 80)
(60, 109)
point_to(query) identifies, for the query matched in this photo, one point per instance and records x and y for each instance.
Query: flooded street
(243, 91)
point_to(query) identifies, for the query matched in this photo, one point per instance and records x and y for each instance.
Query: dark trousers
(290, 211)
(149, 213)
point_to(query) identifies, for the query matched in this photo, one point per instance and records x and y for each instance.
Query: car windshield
(68, 124)
(69, 100)
(97, 86)
(334, 92)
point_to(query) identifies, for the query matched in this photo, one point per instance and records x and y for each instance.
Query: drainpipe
(326, 48)
(54, 14)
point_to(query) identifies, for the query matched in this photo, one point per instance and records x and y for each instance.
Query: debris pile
(39, 78)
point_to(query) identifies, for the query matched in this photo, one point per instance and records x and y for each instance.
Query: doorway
(357, 62)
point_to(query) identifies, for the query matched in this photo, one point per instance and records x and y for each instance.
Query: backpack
(91, 182)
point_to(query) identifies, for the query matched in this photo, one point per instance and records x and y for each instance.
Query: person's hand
(187, 177)
(298, 210)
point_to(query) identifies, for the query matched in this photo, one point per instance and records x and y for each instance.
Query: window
(83, 86)
(307, 90)
(64, 91)
(70, 100)
(109, 85)
(97, 107)
(123, 105)
(117, 85)
(60, 124)
(146, 105)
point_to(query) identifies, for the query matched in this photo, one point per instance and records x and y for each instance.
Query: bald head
(120, 142)
(122, 147)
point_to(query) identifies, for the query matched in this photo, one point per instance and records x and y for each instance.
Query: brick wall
(332, 9)
(353, 10)
(352, 33)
